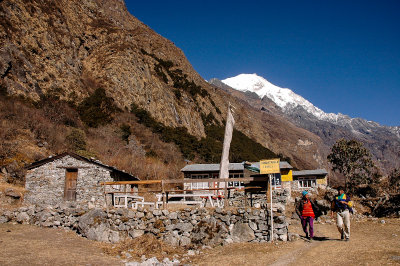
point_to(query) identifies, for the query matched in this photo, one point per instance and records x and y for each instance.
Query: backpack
(350, 203)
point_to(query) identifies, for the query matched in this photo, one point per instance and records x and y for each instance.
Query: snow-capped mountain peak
(283, 97)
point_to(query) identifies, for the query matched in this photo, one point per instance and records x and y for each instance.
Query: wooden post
(272, 215)
(226, 195)
(105, 199)
(126, 198)
(163, 194)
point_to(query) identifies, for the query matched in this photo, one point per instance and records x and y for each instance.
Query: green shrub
(179, 79)
(151, 153)
(76, 140)
(159, 71)
(178, 94)
(125, 132)
(3, 90)
(97, 109)
(209, 148)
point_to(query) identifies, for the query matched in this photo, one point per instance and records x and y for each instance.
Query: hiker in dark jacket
(307, 211)
(342, 205)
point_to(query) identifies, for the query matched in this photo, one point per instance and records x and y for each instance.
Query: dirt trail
(371, 243)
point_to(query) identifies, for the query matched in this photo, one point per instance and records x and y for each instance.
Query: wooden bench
(118, 196)
(168, 195)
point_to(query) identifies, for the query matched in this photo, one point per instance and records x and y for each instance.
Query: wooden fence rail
(180, 181)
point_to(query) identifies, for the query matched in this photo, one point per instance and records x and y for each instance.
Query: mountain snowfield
(288, 100)
(283, 97)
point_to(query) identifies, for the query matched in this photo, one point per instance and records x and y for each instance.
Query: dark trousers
(308, 221)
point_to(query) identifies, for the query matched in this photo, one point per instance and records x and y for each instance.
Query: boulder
(114, 236)
(171, 240)
(241, 232)
(9, 192)
(283, 237)
(185, 227)
(93, 225)
(23, 217)
(185, 241)
(173, 216)
(253, 226)
(3, 219)
(279, 219)
(136, 233)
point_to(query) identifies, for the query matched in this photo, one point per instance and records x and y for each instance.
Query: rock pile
(187, 227)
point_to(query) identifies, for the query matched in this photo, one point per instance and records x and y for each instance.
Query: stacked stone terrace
(187, 227)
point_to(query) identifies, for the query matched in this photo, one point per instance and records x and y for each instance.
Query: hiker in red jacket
(307, 211)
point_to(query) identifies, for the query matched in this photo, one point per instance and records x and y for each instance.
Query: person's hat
(304, 193)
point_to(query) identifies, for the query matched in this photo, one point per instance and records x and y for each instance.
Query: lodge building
(296, 180)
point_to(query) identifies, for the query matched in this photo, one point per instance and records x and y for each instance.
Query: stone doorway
(71, 176)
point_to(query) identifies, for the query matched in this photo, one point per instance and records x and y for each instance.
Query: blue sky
(343, 56)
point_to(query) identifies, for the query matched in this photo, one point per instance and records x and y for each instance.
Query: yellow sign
(269, 166)
(287, 175)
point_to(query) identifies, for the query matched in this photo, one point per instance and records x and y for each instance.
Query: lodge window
(200, 185)
(307, 182)
(236, 184)
(276, 181)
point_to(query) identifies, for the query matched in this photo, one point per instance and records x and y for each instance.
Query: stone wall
(187, 227)
(45, 184)
(259, 200)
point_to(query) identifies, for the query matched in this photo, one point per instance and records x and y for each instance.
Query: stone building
(70, 177)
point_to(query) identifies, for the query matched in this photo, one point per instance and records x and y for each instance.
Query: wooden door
(71, 176)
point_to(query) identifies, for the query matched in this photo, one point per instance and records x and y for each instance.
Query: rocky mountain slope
(68, 49)
(383, 141)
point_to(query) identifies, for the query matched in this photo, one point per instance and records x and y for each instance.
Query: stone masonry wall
(240, 199)
(45, 184)
(187, 227)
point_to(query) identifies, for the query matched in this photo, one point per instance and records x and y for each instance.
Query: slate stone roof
(78, 157)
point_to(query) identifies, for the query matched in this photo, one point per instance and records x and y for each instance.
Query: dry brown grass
(147, 245)
(23, 127)
(16, 188)
(32, 245)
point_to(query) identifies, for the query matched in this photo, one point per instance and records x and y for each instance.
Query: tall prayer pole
(224, 165)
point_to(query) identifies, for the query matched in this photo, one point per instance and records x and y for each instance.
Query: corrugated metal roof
(310, 172)
(211, 167)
